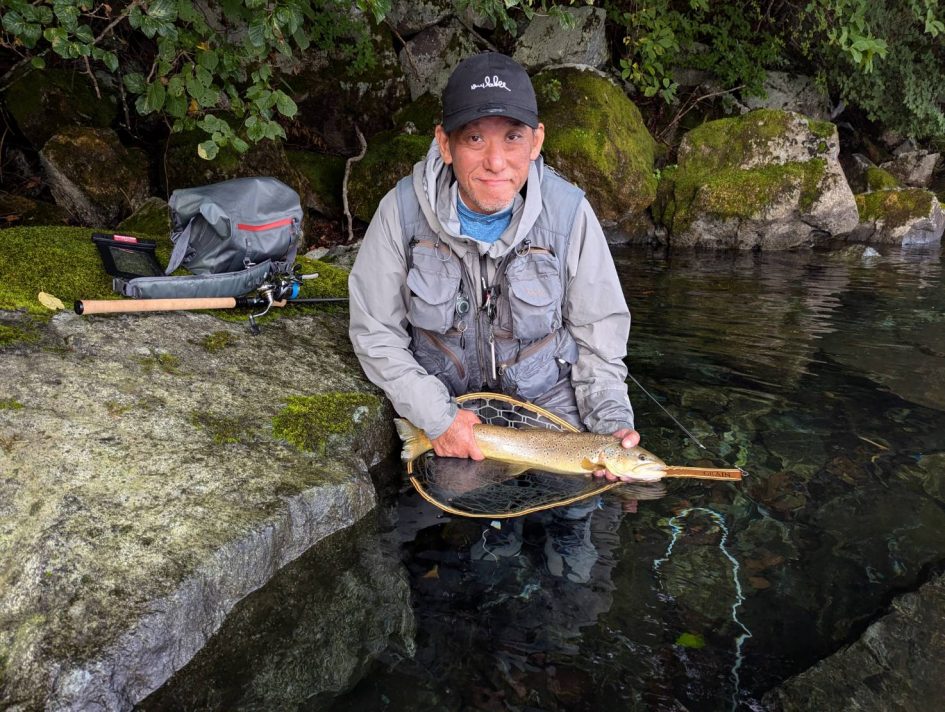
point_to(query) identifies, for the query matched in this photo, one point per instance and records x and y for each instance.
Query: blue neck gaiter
(484, 228)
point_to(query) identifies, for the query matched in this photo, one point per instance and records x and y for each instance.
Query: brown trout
(565, 453)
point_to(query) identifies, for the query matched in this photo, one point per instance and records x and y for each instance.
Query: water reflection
(823, 375)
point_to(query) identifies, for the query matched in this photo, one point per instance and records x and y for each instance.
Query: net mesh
(493, 489)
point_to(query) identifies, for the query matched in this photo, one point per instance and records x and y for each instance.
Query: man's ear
(538, 138)
(443, 141)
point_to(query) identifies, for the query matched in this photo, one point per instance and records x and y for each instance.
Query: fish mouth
(650, 472)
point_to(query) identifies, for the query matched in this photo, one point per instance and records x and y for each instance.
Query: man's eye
(515, 137)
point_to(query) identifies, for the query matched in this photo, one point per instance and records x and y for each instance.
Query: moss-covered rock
(18, 210)
(309, 422)
(152, 219)
(767, 179)
(595, 136)
(324, 176)
(879, 179)
(43, 102)
(390, 156)
(93, 176)
(902, 217)
(422, 115)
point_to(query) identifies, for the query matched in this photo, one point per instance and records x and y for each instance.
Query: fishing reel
(278, 288)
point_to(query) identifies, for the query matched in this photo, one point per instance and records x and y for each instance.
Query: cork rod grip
(127, 306)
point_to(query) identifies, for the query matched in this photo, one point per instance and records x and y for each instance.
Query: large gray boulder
(768, 179)
(912, 165)
(428, 59)
(93, 176)
(156, 469)
(546, 41)
(408, 17)
(792, 92)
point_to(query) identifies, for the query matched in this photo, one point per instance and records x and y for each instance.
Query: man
(484, 270)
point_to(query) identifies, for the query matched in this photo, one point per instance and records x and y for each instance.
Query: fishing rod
(279, 291)
(684, 428)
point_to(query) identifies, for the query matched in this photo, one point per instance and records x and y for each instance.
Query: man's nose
(494, 157)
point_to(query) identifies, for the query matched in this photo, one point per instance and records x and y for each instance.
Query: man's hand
(458, 440)
(628, 439)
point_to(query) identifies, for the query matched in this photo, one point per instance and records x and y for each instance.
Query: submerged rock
(896, 663)
(768, 179)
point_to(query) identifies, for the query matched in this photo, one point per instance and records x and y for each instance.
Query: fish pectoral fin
(590, 465)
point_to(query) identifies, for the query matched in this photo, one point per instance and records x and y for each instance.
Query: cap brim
(468, 115)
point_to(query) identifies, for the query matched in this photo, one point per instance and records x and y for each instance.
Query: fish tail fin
(415, 440)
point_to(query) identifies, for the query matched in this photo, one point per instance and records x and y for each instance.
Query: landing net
(492, 489)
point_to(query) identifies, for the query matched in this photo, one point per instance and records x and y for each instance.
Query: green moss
(10, 335)
(308, 421)
(217, 341)
(664, 207)
(424, 114)
(168, 363)
(894, 207)
(880, 179)
(59, 260)
(822, 129)
(325, 174)
(693, 641)
(151, 219)
(10, 404)
(597, 137)
(332, 281)
(224, 430)
(390, 156)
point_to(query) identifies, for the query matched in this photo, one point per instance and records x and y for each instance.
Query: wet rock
(308, 635)
(93, 176)
(596, 138)
(929, 473)
(910, 216)
(791, 92)
(43, 103)
(429, 58)
(864, 176)
(768, 179)
(545, 41)
(896, 663)
(147, 489)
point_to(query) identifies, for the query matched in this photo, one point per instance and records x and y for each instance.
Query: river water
(823, 376)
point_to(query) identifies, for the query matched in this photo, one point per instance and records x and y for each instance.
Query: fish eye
(641, 456)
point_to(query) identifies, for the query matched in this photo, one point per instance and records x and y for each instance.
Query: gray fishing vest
(459, 329)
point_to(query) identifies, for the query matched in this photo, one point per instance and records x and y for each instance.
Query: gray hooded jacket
(416, 344)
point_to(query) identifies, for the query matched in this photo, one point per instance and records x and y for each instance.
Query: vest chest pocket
(534, 285)
(433, 280)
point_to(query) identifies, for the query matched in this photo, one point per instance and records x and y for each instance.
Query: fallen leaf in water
(759, 582)
(433, 573)
(50, 302)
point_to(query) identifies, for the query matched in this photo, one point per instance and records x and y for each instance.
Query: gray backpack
(231, 236)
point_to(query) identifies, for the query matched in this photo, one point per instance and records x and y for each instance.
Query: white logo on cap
(492, 82)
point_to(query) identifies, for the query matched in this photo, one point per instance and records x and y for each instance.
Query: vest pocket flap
(432, 287)
(537, 291)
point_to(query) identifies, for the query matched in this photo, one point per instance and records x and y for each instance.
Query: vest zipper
(446, 350)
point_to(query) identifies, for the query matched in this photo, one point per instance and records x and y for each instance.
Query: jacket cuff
(440, 426)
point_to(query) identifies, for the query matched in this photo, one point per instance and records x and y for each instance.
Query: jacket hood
(436, 190)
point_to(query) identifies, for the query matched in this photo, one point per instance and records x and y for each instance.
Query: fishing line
(685, 429)
(676, 525)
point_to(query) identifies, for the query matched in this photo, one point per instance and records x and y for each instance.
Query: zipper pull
(492, 352)
(461, 328)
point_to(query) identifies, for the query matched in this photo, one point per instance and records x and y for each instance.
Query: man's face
(490, 159)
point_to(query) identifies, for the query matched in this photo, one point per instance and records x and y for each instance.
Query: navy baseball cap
(488, 84)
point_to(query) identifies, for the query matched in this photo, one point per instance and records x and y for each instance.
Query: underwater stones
(768, 179)
(896, 663)
(911, 216)
(546, 41)
(596, 138)
(93, 176)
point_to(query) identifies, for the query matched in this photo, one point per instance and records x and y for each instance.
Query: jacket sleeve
(379, 297)
(596, 313)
